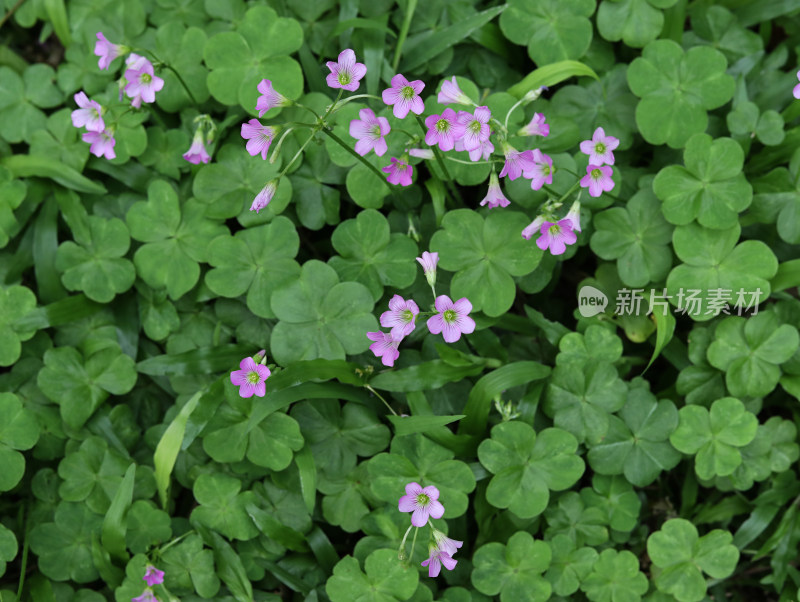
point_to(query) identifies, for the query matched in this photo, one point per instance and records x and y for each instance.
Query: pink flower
(436, 559)
(796, 91)
(251, 378)
(135, 62)
(494, 197)
(574, 216)
(445, 544)
(147, 596)
(346, 74)
(106, 51)
(452, 320)
(265, 196)
(484, 151)
(197, 151)
(258, 137)
(404, 95)
(88, 115)
(421, 153)
(476, 127)
(443, 129)
(370, 131)
(269, 98)
(537, 127)
(153, 576)
(102, 143)
(400, 317)
(599, 148)
(597, 179)
(541, 172)
(142, 84)
(428, 262)
(399, 171)
(422, 502)
(556, 236)
(451, 93)
(384, 346)
(532, 228)
(516, 162)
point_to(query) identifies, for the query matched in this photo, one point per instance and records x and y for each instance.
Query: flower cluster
(153, 577)
(451, 319)
(252, 375)
(601, 156)
(90, 115)
(555, 234)
(424, 504)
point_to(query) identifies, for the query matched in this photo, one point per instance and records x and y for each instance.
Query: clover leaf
(64, 546)
(344, 503)
(715, 436)
(684, 557)
(258, 48)
(281, 515)
(386, 579)
(12, 193)
(528, 465)
(595, 343)
(417, 458)
(20, 97)
(157, 313)
(79, 385)
(146, 526)
(581, 397)
(750, 351)
(615, 577)
(636, 22)
(711, 188)
(485, 256)
(320, 316)
(15, 302)
(256, 261)
(182, 49)
(777, 199)
(553, 30)
(8, 548)
(238, 429)
(189, 568)
(569, 565)
(222, 506)
(700, 382)
(676, 89)
(718, 27)
(617, 499)
(19, 430)
(637, 236)
(581, 523)
(513, 570)
(371, 255)
(636, 444)
(746, 122)
(98, 266)
(717, 270)
(755, 464)
(176, 238)
(338, 434)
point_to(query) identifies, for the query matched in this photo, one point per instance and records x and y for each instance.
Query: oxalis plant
(376, 301)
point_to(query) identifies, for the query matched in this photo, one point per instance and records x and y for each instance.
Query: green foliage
(513, 570)
(385, 579)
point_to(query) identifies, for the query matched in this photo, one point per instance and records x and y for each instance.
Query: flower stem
(413, 543)
(297, 154)
(178, 75)
(511, 110)
(349, 98)
(401, 552)
(401, 39)
(350, 150)
(492, 162)
(369, 388)
(309, 109)
(570, 191)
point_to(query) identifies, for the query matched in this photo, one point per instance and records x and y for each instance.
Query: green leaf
(616, 497)
(25, 166)
(569, 566)
(682, 555)
(19, 430)
(427, 375)
(676, 89)
(146, 526)
(229, 565)
(595, 343)
(189, 568)
(513, 570)
(581, 523)
(114, 524)
(16, 303)
(636, 22)
(527, 466)
(407, 425)
(8, 548)
(385, 580)
(57, 12)
(615, 576)
(222, 507)
(665, 328)
(550, 75)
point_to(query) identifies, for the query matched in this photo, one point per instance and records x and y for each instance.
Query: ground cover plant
(377, 301)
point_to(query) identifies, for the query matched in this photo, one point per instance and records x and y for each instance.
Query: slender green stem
(178, 75)
(280, 144)
(7, 16)
(24, 565)
(493, 161)
(402, 549)
(440, 160)
(413, 543)
(350, 150)
(297, 154)
(309, 109)
(349, 98)
(569, 192)
(511, 110)
(386, 403)
(330, 108)
(401, 39)
(174, 541)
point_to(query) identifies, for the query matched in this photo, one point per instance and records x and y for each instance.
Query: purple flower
(102, 143)
(142, 84)
(147, 596)
(452, 320)
(422, 153)
(399, 171)
(106, 51)
(153, 576)
(428, 262)
(556, 236)
(494, 197)
(265, 196)
(516, 162)
(88, 115)
(400, 317)
(435, 561)
(451, 93)
(443, 129)
(532, 228)
(251, 378)
(384, 347)
(445, 544)
(258, 137)
(346, 74)
(197, 151)
(269, 98)
(599, 148)
(574, 216)
(541, 172)
(796, 91)
(404, 95)
(484, 151)
(476, 127)
(597, 179)
(370, 131)
(135, 62)
(422, 502)
(537, 127)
